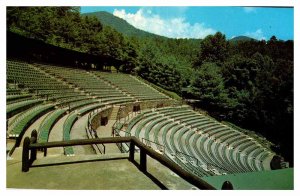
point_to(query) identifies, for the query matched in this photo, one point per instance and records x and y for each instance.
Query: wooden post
(25, 155)
(227, 186)
(131, 151)
(143, 160)
(33, 151)
(45, 152)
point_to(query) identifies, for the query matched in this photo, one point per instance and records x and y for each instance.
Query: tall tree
(208, 85)
(214, 48)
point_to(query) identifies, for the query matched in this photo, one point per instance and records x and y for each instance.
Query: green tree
(208, 85)
(214, 48)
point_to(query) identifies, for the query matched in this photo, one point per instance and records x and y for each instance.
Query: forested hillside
(107, 19)
(246, 82)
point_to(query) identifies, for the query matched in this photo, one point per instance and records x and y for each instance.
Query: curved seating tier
(131, 86)
(15, 98)
(23, 73)
(21, 105)
(37, 82)
(71, 119)
(12, 91)
(19, 125)
(66, 131)
(48, 123)
(35, 89)
(85, 81)
(190, 137)
(197, 142)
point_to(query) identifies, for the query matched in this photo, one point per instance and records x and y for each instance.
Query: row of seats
(36, 81)
(131, 85)
(18, 126)
(21, 104)
(56, 91)
(28, 107)
(47, 124)
(68, 150)
(182, 131)
(16, 98)
(85, 81)
(13, 92)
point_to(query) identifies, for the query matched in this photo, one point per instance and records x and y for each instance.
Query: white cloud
(149, 12)
(258, 34)
(249, 9)
(176, 27)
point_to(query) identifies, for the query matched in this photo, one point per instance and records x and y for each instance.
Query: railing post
(25, 155)
(34, 150)
(143, 160)
(45, 152)
(227, 186)
(131, 151)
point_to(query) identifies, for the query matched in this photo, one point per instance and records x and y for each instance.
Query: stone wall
(127, 108)
(96, 119)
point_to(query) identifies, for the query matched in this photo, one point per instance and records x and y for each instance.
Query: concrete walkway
(106, 131)
(56, 134)
(105, 172)
(78, 132)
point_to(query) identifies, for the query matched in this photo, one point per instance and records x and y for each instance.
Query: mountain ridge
(242, 38)
(122, 26)
(119, 24)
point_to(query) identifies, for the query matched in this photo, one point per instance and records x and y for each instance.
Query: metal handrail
(178, 153)
(120, 130)
(88, 132)
(30, 148)
(148, 143)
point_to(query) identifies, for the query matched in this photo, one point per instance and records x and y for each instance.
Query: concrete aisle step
(56, 134)
(105, 131)
(114, 113)
(78, 132)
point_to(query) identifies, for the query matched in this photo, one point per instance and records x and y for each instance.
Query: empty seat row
(182, 130)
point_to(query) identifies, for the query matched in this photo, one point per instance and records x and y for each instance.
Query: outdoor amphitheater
(74, 128)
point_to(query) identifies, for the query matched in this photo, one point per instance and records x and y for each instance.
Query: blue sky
(198, 22)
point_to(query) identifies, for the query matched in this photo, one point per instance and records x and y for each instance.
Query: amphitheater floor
(110, 172)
